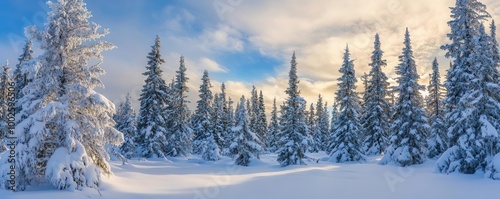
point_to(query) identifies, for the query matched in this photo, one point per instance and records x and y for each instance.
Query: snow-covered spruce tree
(180, 133)
(225, 117)
(311, 124)
(228, 136)
(152, 121)
(273, 129)
(333, 120)
(64, 124)
(204, 142)
(21, 71)
(477, 143)
(219, 120)
(365, 79)
(125, 119)
(375, 119)
(253, 109)
(261, 119)
(320, 133)
(436, 144)
(5, 81)
(293, 138)
(486, 120)
(470, 105)
(494, 42)
(344, 146)
(230, 112)
(246, 144)
(466, 18)
(409, 129)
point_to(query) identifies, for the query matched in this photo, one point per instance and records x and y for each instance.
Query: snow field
(193, 178)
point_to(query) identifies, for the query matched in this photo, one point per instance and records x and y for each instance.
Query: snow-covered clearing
(193, 178)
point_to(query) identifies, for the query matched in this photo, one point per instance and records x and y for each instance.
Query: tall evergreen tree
(273, 129)
(311, 124)
(5, 81)
(226, 117)
(229, 137)
(21, 72)
(253, 109)
(204, 142)
(466, 18)
(365, 78)
(261, 121)
(152, 121)
(409, 126)
(472, 85)
(230, 112)
(180, 133)
(293, 139)
(375, 119)
(477, 142)
(485, 119)
(246, 144)
(333, 120)
(218, 120)
(494, 43)
(320, 132)
(63, 117)
(436, 144)
(344, 146)
(125, 122)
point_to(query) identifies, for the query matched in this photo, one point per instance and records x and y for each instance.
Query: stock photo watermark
(218, 181)
(222, 7)
(393, 179)
(11, 136)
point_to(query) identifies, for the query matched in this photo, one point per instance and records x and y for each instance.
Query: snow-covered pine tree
(320, 133)
(246, 144)
(365, 78)
(253, 109)
(391, 98)
(219, 119)
(228, 137)
(409, 129)
(180, 134)
(273, 129)
(375, 119)
(333, 120)
(344, 146)
(21, 72)
(293, 138)
(5, 81)
(64, 124)
(436, 144)
(125, 119)
(494, 42)
(311, 124)
(477, 143)
(261, 119)
(487, 96)
(472, 97)
(225, 115)
(204, 142)
(466, 18)
(152, 121)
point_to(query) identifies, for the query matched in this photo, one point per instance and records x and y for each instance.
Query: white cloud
(211, 65)
(223, 38)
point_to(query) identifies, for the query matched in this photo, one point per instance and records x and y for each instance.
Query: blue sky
(245, 43)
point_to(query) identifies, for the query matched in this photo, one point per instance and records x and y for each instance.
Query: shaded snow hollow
(193, 178)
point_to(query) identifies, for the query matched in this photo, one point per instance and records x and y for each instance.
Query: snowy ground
(194, 179)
